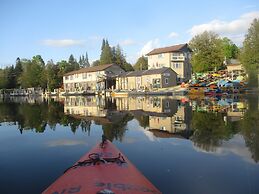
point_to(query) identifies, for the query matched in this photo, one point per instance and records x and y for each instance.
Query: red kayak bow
(103, 170)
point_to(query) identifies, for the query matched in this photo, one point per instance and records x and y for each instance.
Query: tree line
(210, 51)
(35, 72)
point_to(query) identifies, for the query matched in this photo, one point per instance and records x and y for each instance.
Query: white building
(95, 78)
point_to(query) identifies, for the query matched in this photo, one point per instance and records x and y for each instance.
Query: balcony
(177, 58)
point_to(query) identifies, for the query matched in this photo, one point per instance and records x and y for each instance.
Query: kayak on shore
(102, 170)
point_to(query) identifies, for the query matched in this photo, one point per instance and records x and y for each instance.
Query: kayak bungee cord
(94, 158)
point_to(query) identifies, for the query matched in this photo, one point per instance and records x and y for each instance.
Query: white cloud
(235, 28)
(173, 35)
(235, 146)
(63, 42)
(127, 42)
(150, 45)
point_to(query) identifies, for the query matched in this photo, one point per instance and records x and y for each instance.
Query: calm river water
(186, 145)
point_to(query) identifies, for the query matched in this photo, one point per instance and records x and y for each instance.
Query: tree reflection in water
(250, 127)
(210, 130)
(207, 122)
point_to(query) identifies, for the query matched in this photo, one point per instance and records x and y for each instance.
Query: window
(160, 55)
(177, 65)
(166, 81)
(71, 77)
(66, 78)
(85, 76)
(177, 56)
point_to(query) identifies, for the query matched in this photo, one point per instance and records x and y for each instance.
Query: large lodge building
(95, 78)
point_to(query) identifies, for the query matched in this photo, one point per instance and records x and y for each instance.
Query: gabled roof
(174, 48)
(145, 72)
(90, 69)
(156, 71)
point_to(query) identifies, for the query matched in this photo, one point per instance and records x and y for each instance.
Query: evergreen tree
(119, 57)
(3, 78)
(80, 61)
(106, 55)
(113, 54)
(86, 60)
(103, 44)
(83, 61)
(18, 71)
(11, 81)
(72, 61)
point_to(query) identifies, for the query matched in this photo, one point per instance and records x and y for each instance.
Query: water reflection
(36, 114)
(208, 122)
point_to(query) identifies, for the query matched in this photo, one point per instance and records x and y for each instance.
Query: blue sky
(57, 28)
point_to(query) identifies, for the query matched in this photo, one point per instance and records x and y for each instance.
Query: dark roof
(90, 69)
(144, 72)
(155, 71)
(173, 48)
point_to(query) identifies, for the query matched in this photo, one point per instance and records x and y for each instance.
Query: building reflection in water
(164, 116)
(207, 122)
(85, 106)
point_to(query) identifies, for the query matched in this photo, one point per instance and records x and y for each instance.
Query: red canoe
(103, 170)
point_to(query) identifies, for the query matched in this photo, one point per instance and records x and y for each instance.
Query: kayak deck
(103, 170)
